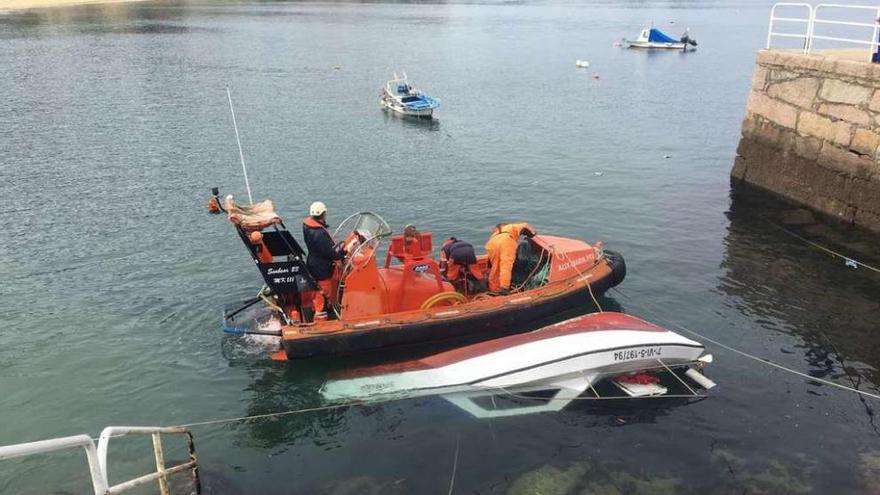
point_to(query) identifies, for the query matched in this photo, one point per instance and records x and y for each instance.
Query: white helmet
(317, 209)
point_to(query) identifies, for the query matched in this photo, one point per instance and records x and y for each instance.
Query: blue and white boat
(653, 39)
(399, 96)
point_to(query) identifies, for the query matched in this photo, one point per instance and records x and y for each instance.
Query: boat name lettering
(420, 268)
(282, 271)
(580, 261)
(284, 280)
(643, 353)
(376, 387)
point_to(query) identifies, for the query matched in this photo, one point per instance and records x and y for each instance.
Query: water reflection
(392, 118)
(782, 282)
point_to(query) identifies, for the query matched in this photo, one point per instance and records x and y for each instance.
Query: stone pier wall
(811, 134)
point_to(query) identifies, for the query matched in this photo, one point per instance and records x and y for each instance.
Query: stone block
(812, 124)
(777, 75)
(859, 69)
(800, 91)
(848, 113)
(875, 101)
(759, 78)
(837, 91)
(865, 142)
(773, 110)
(808, 147)
(845, 162)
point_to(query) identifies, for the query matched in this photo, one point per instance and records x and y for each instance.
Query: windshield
(367, 224)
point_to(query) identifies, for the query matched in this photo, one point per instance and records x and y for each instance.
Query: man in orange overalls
(501, 249)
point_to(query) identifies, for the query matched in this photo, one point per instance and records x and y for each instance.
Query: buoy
(595, 75)
(213, 206)
(582, 63)
(256, 236)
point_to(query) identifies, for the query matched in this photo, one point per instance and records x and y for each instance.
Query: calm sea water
(114, 125)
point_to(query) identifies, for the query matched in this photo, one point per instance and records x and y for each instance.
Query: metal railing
(97, 457)
(807, 21)
(814, 19)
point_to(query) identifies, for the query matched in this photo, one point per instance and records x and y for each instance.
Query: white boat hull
(651, 45)
(392, 105)
(571, 356)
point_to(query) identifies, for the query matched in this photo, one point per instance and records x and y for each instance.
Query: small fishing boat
(619, 354)
(399, 96)
(405, 300)
(654, 39)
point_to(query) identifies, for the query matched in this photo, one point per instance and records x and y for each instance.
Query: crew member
(501, 249)
(323, 252)
(458, 263)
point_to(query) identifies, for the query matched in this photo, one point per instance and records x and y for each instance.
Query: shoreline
(20, 5)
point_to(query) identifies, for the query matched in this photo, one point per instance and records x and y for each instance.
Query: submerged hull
(569, 357)
(470, 322)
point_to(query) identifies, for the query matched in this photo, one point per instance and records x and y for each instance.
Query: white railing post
(807, 20)
(97, 457)
(99, 481)
(815, 18)
(808, 43)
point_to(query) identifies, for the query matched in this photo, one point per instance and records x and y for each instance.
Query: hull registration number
(643, 353)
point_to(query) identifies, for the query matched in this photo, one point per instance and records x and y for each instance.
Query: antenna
(240, 153)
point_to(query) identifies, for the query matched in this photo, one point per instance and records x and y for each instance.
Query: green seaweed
(365, 485)
(625, 483)
(869, 472)
(775, 477)
(549, 480)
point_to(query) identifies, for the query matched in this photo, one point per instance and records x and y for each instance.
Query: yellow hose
(453, 297)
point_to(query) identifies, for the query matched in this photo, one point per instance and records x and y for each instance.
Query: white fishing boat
(399, 96)
(653, 39)
(562, 362)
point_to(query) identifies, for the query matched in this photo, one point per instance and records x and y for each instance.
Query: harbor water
(114, 125)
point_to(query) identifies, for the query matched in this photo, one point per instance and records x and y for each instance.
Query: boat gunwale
(501, 304)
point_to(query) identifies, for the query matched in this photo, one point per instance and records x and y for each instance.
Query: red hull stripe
(595, 322)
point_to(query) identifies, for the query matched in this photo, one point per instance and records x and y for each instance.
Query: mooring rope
(816, 245)
(581, 275)
(757, 358)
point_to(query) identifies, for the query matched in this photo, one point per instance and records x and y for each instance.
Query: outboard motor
(686, 38)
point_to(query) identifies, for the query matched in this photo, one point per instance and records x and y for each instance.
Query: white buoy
(583, 64)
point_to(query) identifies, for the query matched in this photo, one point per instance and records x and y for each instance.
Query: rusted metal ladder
(97, 456)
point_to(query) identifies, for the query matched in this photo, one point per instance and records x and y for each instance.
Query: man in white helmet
(323, 252)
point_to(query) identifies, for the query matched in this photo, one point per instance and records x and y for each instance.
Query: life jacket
(322, 250)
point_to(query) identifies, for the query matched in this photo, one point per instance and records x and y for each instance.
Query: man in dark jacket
(323, 252)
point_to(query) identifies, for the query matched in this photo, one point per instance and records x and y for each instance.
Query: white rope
(816, 245)
(282, 413)
(564, 256)
(765, 360)
(240, 153)
(454, 463)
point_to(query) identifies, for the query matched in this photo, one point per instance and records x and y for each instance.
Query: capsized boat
(549, 367)
(404, 300)
(399, 96)
(653, 38)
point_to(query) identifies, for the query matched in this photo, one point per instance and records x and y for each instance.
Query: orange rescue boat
(405, 299)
